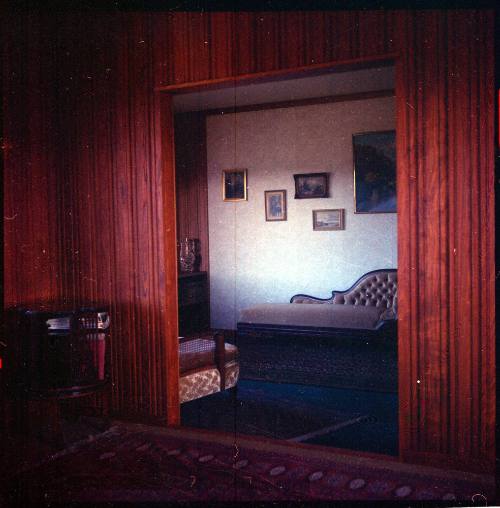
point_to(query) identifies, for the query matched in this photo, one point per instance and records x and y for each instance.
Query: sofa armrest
(310, 299)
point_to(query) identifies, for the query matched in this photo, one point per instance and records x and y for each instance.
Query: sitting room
(323, 147)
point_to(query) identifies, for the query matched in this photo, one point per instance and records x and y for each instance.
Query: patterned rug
(338, 363)
(145, 464)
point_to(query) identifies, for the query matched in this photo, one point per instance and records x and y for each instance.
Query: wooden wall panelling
(83, 174)
(198, 36)
(222, 44)
(315, 38)
(67, 90)
(244, 43)
(178, 49)
(171, 329)
(191, 180)
(446, 335)
(139, 182)
(138, 223)
(30, 219)
(112, 190)
(291, 29)
(161, 39)
(341, 34)
(375, 33)
(189, 46)
(472, 97)
(266, 53)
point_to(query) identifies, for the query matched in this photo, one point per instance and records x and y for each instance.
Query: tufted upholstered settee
(368, 306)
(207, 364)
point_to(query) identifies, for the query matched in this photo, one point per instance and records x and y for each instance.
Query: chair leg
(231, 393)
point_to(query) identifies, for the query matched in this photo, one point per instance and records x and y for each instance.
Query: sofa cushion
(205, 382)
(322, 316)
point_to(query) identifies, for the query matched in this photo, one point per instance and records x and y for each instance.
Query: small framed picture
(311, 185)
(375, 172)
(275, 201)
(234, 185)
(328, 220)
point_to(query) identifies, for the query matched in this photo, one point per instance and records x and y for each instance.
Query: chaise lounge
(368, 308)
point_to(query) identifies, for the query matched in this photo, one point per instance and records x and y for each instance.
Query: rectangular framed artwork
(328, 220)
(374, 172)
(234, 185)
(311, 185)
(275, 203)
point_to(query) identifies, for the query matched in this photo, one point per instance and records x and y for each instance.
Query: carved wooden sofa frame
(368, 309)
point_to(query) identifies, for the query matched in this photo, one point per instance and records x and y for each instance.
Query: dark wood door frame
(419, 347)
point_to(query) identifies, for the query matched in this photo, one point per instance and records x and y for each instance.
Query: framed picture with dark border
(311, 185)
(328, 220)
(374, 172)
(234, 185)
(275, 202)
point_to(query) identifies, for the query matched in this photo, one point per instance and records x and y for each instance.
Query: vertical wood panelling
(139, 269)
(88, 164)
(171, 329)
(202, 46)
(88, 215)
(222, 44)
(161, 39)
(342, 27)
(446, 263)
(191, 180)
(266, 54)
(373, 36)
(315, 38)
(245, 61)
(291, 39)
(30, 175)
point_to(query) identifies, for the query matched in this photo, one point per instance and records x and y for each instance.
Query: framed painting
(328, 220)
(311, 185)
(275, 202)
(374, 172)
(234, 185)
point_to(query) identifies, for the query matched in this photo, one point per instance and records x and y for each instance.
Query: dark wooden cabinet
(193, 302)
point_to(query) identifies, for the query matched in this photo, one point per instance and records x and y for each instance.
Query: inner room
(316, 214)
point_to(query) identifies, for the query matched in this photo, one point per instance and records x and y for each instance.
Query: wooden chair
(207, 365)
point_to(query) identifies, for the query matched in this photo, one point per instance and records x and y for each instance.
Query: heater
(59, 354)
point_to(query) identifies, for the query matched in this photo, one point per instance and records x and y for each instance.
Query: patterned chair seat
(207, 365)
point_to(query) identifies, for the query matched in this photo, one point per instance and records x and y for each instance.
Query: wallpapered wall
(254, 261)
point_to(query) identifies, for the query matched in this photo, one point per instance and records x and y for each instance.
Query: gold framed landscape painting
(234, 185)
(328, 220)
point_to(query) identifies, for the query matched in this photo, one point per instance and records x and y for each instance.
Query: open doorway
(332, 391)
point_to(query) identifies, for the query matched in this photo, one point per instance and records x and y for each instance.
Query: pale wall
(253, 261)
